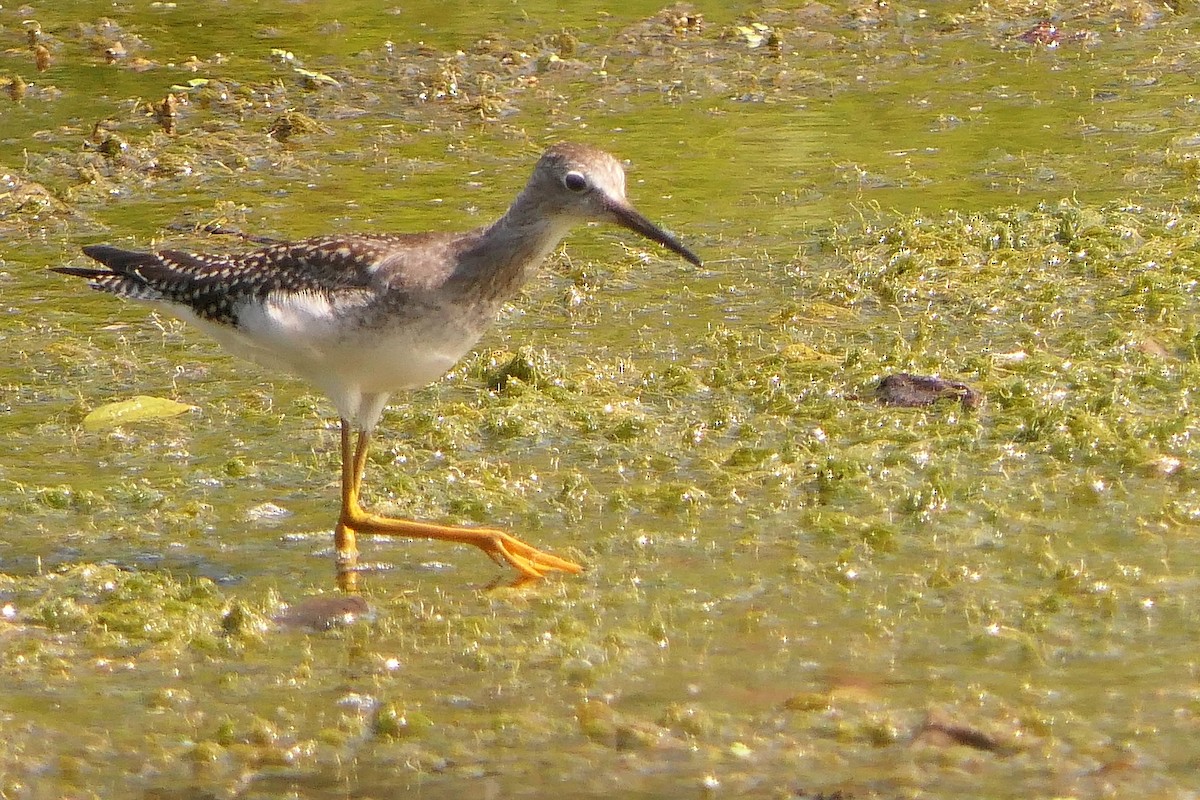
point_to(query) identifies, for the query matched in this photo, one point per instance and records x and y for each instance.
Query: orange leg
(501, 547)
(343, 535)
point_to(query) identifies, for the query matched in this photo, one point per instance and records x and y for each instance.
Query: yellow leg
(501, 547)
(343, 535)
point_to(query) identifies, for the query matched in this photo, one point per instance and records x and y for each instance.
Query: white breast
(357, 366)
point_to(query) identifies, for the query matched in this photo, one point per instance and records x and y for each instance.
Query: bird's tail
(121, 276)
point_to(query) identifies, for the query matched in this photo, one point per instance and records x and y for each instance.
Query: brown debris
(114, 53)
(1049, 35)
(41, 57)
(166, 113)
(908, 390)
(324, 612)
(33, 31)
(938, 730)
(291, 123)
(17, 88)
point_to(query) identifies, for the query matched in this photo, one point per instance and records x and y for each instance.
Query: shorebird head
(587, 184)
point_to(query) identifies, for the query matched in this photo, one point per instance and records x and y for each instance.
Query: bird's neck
(508, 251)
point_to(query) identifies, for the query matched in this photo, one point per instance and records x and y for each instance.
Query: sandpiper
(362, 316)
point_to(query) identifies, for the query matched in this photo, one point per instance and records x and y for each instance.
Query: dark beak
(626, 216)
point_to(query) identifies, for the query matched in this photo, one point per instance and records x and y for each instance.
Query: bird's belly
(339, 353)
(399, 359)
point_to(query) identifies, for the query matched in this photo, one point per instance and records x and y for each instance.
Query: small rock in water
(324, 612)
(906, 389)
(267, 512)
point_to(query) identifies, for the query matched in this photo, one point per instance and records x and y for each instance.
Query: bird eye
(575, 181)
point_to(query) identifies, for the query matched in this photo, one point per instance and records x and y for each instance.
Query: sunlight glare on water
(792, 589)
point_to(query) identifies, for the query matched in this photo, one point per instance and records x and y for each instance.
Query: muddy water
(793, 591)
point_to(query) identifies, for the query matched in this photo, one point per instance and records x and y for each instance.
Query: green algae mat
(797, 587)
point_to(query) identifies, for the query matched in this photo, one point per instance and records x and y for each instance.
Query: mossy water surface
(793, 590)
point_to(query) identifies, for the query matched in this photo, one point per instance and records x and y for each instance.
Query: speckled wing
(217, 287)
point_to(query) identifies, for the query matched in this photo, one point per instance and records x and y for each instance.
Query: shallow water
(792, 591)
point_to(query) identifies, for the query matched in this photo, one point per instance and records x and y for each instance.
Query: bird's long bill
(627, 216)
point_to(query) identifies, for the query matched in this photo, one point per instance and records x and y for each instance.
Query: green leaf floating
(135, 409)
